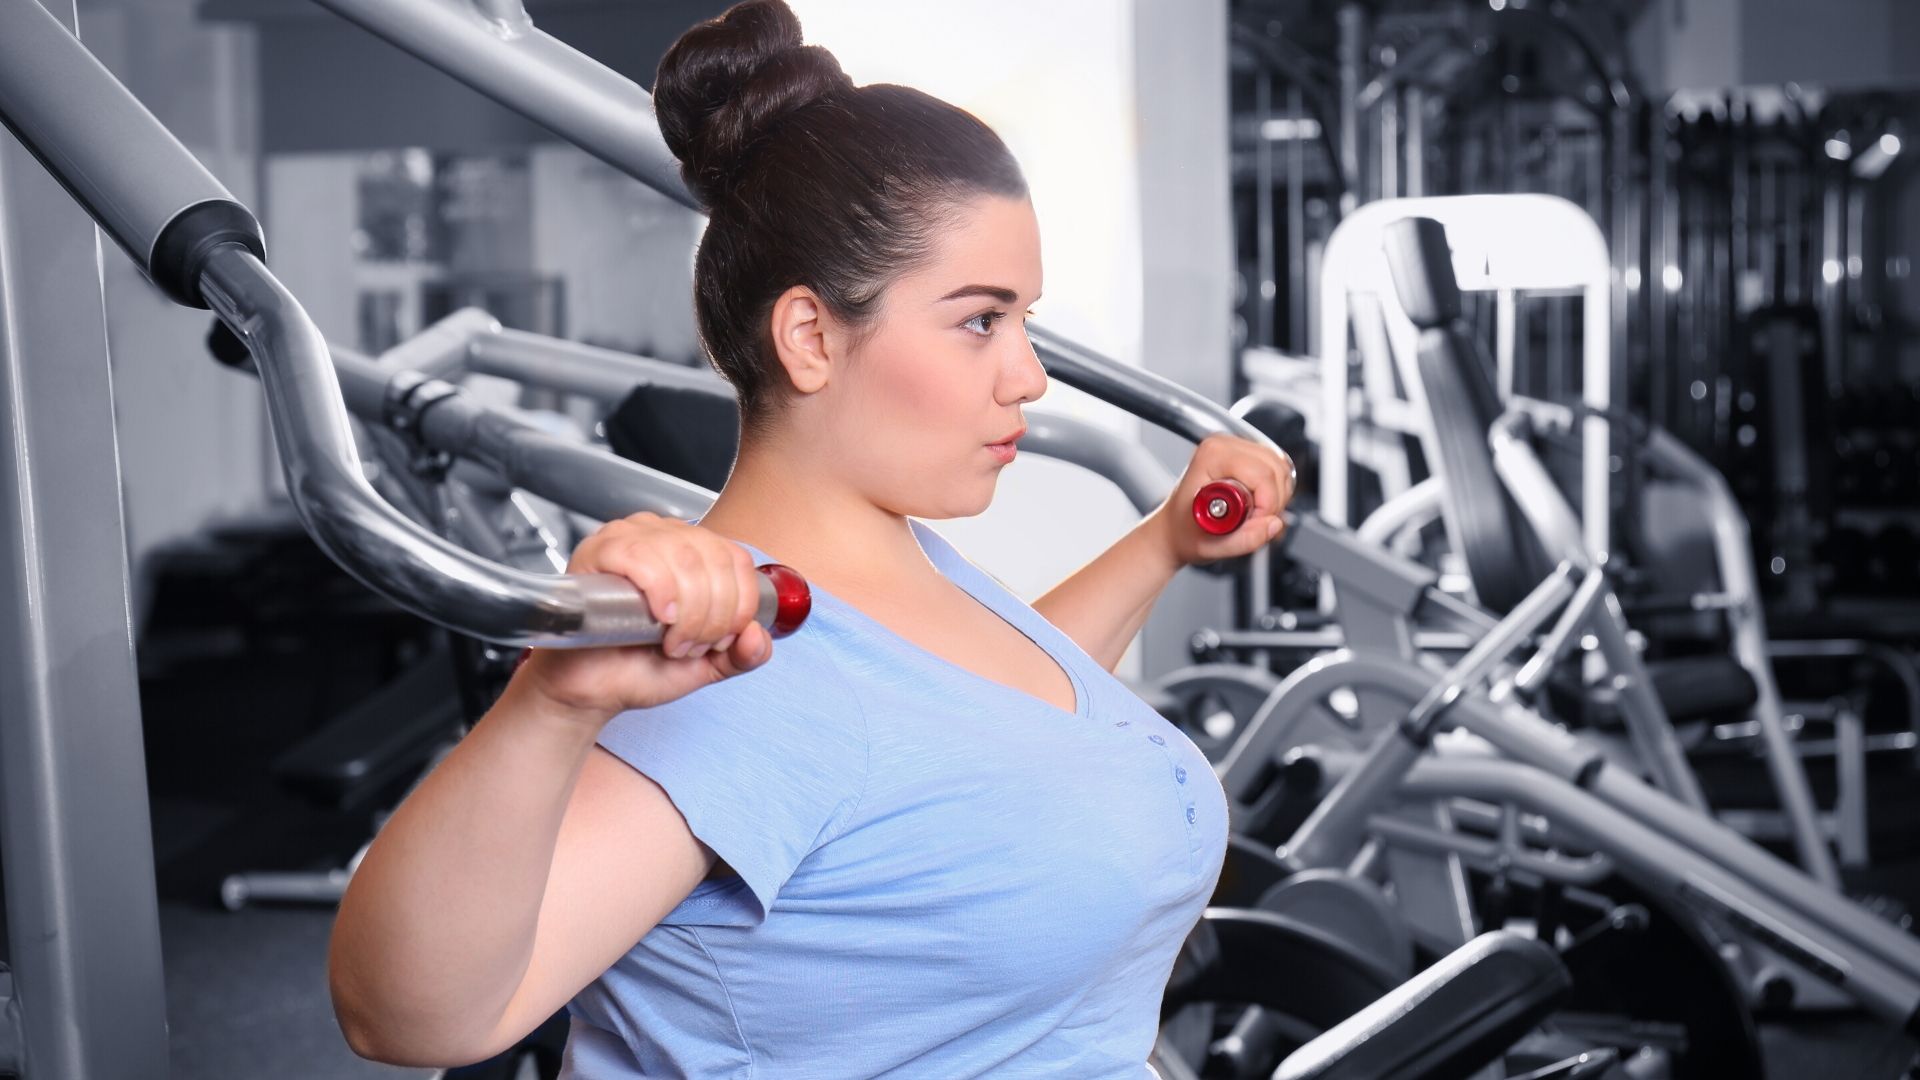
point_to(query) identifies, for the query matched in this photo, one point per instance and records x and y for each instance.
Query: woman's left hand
(1266, 473)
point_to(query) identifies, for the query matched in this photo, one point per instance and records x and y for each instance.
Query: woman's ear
(803, 338)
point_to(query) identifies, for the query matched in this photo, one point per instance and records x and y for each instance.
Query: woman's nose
(1023, 379)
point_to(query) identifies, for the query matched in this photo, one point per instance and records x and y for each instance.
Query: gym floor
(247, 992)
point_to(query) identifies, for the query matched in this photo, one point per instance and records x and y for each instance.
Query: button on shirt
(939, 876)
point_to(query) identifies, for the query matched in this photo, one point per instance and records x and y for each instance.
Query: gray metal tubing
(1648, 726)
(1897, 663)
(1151, 397)
(1541, 502)
(1733, 552)
(1414, 507)
(1648, 857)
(1761, 870)
(1484, 854)
(577, 476)
(1425, 641)
(1553, 521)
(352, 524)
(1338, 824)
(1266, 736)
(126, 170)
(1519, 624)
(1534, 491)
(1133, 469)
(530, 72)
(572, 474)
(443, 350)
(570, 367)
(1572, 618)
(1334, 832)
(85, 996)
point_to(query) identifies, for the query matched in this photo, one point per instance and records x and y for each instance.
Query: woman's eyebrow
(1005, 296)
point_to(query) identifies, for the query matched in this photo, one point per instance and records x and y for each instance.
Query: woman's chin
(958, 503)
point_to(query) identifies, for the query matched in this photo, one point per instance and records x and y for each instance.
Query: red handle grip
(794, 599)
(1221, 506)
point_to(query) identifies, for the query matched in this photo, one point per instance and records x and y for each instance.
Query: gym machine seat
(1690, 688)
(1450, 1020)
(389, 734)
(1275, 962)
(684, 433)
(1503, 556)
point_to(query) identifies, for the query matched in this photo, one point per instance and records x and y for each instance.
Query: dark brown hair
(808, 180)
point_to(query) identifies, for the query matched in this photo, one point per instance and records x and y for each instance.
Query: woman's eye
(984, 323)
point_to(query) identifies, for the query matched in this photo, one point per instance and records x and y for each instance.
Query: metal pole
(598, 109)
(1415, 128)
(83, 925)
(1353, 57)
(1267, 290)
(1389, 146)
(1297, 270)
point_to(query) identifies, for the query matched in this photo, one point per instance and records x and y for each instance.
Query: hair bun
(725, 83)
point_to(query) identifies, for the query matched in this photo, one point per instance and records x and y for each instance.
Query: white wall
(624, 251)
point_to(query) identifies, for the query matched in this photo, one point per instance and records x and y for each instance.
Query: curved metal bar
(1515, 730)
(1413, 507)
(1135, 471)
(1151, 397)
(370, 539)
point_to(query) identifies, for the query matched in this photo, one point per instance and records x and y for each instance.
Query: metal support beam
(76, 844)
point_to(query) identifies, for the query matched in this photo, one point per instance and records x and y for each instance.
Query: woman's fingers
(723, 598)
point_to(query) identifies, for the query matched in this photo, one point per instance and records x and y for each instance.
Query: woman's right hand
(701, 586)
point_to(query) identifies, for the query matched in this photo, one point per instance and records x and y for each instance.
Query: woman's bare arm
(521, 869)
(1102, 605)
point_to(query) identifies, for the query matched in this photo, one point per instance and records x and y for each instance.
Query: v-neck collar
(970, 580)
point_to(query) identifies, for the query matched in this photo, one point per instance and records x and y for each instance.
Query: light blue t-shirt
(939, 876)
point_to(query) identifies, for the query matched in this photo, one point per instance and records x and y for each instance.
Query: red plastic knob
(795, 599)
(1221, 506)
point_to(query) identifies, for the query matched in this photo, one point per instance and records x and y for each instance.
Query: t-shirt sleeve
(765, 767)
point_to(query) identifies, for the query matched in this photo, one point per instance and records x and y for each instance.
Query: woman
(930, 835)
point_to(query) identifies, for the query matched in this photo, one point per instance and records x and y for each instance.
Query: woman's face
(944, 369)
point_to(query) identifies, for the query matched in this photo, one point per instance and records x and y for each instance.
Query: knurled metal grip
(1221, 506)
(613, 617)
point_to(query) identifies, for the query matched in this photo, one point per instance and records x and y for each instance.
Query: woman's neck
(789, 507)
